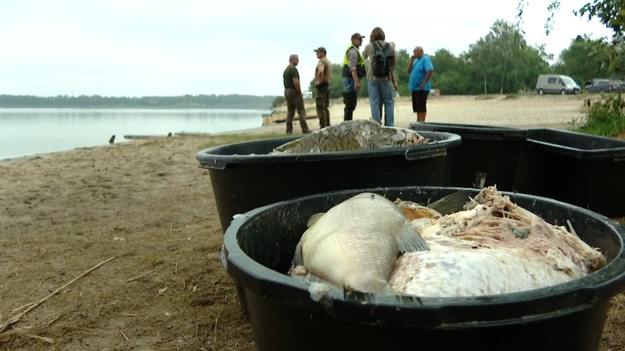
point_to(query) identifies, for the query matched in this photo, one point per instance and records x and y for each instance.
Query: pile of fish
(353, 135)
(491, 246)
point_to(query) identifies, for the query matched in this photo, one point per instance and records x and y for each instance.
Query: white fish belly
(456, 272)
(354, 244)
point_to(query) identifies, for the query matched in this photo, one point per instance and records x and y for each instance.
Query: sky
(177, 47)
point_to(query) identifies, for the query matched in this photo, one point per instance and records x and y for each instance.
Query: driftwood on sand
(146, 136)
(8, 335)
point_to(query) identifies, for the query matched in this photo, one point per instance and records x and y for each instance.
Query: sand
(147, 207)
(522, 111)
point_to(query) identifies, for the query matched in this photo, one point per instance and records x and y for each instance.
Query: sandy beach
(523, 111)
(117, 247)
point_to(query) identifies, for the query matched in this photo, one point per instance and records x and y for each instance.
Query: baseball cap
(321, 49)
(357, 35)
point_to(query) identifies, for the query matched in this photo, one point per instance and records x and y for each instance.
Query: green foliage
(337, 81)
(609, 12)
(605, 117)
(501, 62)
(401, 72)
(278, 101)
(97, 101)
(585, 59)
(451, 73)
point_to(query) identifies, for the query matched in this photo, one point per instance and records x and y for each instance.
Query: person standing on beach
(380, 84)
(323, 78)
(420, 69)
(353, 72)
(293, 96)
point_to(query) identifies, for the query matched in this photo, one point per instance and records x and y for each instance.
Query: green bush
(278, 101)
(606, 117)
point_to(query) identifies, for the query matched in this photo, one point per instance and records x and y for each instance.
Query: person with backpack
(382, 57)
(420, 69)
(353, 72)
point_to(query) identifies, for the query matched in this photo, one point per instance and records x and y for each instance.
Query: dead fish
(352, 135)
(355, 244)
(493, 246)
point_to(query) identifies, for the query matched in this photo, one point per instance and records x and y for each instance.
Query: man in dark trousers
(293, 96)
(353, 72)
(323, 79)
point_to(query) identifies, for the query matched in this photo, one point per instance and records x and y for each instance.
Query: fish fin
(480, 180)
(409, 239)
(298, 257)
(314, 219)
(451, 203)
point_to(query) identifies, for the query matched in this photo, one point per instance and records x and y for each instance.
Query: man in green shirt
(293, 96)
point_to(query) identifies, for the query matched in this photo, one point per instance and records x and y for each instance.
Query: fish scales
(351, 136)
(356, 242)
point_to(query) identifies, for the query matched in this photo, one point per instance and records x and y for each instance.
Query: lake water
(26, 131)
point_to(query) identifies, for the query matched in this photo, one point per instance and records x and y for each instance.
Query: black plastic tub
(581, 169)
(485, 150)
(259, 246)
(244, 176)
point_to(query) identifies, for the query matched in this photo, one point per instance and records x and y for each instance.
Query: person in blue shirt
(420, 69)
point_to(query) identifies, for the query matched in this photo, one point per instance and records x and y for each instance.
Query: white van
(556, 84)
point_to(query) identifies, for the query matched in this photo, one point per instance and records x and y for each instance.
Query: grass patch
(606, 117)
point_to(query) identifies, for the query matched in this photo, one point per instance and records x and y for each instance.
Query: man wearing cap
(293, 96)
(323, 78)
(353, 72)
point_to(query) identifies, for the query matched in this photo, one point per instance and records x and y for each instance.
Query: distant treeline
(185, 101)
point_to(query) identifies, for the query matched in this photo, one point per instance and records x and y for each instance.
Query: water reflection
(32, 131)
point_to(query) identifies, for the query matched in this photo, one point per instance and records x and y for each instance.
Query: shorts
(419, 98)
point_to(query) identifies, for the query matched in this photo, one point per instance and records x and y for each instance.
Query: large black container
(258, 248)
(244, 176)
(581, 169)
(488, 150)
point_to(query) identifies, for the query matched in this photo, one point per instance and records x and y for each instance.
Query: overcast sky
(176, 47)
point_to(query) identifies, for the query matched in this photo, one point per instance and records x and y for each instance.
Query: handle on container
(419, 154)
(619, 158)
(214, 164)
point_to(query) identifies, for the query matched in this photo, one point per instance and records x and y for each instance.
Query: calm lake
(26, 131)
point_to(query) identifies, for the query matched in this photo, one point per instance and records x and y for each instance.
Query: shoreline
(522, 111)
(149, 204)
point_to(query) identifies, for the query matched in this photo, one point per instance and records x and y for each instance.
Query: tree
(531, 62)
(580, 60)
(401, 73)
(498, 60)
(609, 12)
(606, 117)
(451, 73)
